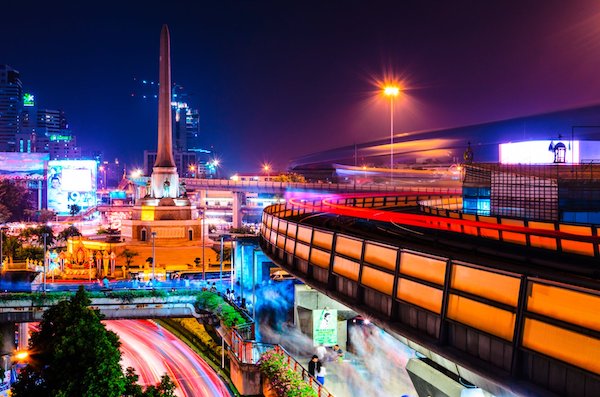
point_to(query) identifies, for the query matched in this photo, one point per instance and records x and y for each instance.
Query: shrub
(285, 381)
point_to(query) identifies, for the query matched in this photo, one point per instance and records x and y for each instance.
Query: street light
(153, 257)
(391, 91)
(267, 169)
(45, 260)
(202, 221)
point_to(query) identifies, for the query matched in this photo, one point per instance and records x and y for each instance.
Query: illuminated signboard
(71, 182)
(28, 99)
(28, 166)
(325, 327)
(537, 152)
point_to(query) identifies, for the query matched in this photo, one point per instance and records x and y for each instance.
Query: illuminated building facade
(11, 92)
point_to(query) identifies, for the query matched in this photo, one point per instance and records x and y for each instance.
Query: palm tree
(68, 232)
(128, 255)
(74, 209)
(10, 247)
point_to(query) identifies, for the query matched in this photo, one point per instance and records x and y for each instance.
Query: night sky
(281, 79)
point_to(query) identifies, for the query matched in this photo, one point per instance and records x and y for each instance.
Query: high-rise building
(11, 92)
(185, 122)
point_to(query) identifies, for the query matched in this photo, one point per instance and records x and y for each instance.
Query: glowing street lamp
(391, 91)
(136, 173)
(192, 169)
(267, 169)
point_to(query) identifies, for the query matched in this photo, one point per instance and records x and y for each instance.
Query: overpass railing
(517, 324)
(554, 236)
(282, 186)
(250, 352)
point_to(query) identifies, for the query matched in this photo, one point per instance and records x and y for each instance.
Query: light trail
(325, 205)
(154, 351)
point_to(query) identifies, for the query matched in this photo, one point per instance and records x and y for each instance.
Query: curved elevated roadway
(510, 305)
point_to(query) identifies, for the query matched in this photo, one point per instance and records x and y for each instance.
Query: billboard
(536, 152)
(325, 327)
(28, 166)
(71, 182)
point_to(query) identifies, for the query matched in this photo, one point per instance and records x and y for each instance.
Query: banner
(325, 327)
(71, 182)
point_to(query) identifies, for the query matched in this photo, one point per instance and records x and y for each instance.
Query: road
(154, 351)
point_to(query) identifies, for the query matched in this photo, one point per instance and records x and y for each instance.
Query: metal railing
(250, 352)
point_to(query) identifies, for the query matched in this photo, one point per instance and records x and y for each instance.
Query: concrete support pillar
(202, 198)
(238, 199)
(23, 336)
(245, 377)
(39, 195)
(7, 333)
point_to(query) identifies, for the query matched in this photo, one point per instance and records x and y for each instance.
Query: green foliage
(125, 295)
(64, 362)
(15, 200)
(41, 216)
(290, 177)
(226, 252)
(5, 213)
(74, 209)
(202, 336)
(11, 245)
(128, 255)
(285, 381)
(35, 253)
(73, 354)
(68, 232)
(213, 302)
(37, 233)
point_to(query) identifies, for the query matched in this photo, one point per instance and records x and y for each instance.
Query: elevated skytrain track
(514, 304)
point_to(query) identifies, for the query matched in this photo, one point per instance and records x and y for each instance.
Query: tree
(15, 198)
(68, 232)
(5, 213)
(290, 177)
(74, 209)
(10, 247)
(128, 255)
(38, 233)
(64, 362)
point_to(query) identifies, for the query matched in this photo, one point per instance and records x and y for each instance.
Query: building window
(190, 234)
(143, 235)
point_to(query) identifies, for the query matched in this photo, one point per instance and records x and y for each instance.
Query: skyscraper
(186, 121)
(11, 92)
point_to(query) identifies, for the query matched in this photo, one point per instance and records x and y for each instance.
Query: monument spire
(164, 154)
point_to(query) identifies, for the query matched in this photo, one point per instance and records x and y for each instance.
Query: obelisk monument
(164, 181)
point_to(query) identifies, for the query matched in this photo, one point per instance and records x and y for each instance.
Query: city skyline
(278, 81)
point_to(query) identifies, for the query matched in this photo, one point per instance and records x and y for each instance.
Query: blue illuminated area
(71, 182)
(476, 200)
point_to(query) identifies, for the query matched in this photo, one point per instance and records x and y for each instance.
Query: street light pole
(392, 92)
(1, 249)
(45, 260)
(153, 257)
(221, 264)
(202, 234)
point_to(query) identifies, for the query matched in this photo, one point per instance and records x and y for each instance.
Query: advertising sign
(71, 182)
(325, 327)
(22, 165)
(536, 152)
